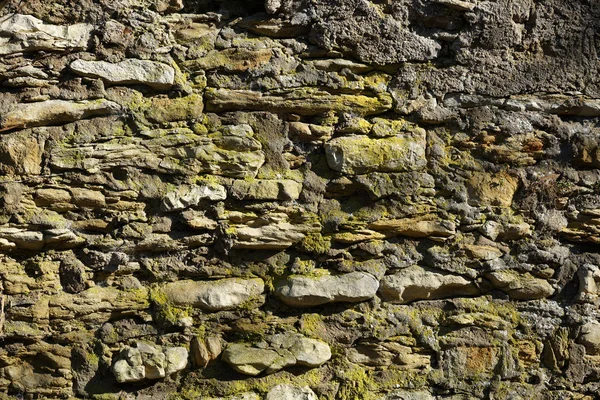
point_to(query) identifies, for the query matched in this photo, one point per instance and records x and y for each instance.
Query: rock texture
(268, 199)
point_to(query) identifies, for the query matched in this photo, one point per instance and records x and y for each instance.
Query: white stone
(21, 33)
(131, 71)
(289, 392)
(188, 196)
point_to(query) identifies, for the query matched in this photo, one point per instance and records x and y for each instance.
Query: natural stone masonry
(299, 200)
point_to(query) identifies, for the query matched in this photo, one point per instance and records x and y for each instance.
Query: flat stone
(224, 294)
(304, 291)
(277, 352)
(486, 253)
(248, 360)
(231, 60)
(264, 189)
(361, 154)
(131, 71)
(288, 392)
(24, 33)
(417, 283)
(269, 232)
(88, 198)
(188, 196)
(458, 4)
(26, 240)
(46, 197)
(409, 395)
(53, 112)
(306, 101)
(520, 286)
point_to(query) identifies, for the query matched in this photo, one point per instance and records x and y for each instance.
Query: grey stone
(520, 286)
(304, 291)
(310, 352)
(53, 112)
(223, 294)
(24, 33)
(248, 360)
(131, 71)
(417, 283)
(146, 361)
(409, 395)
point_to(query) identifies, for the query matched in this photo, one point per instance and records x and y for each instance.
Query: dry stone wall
(294, 199)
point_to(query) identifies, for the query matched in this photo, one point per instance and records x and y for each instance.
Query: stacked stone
(340, 199)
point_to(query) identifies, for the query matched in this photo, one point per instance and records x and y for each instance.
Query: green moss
(315, 243)
(165, 312)
(312, 325)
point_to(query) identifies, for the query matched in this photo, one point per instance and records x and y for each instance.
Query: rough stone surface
(224, 294)
(342, 199)
(53, 112)
(275, 353)
(361, 154)
(26, 33)
(147, 362)
(289, 392)
(131, 71)
(416, 283)
(301, 291)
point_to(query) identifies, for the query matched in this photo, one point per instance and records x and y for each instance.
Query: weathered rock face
(268, 199)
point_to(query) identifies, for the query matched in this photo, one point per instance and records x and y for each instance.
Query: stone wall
(294, 199)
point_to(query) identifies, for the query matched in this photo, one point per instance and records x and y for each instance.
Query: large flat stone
(224, 294)
(24, 33)
(417, 283)
(362, 154)
(132, 71)
(53, 112)
(305, 291)
(306, 101)
(520, 286)
(265, 189)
